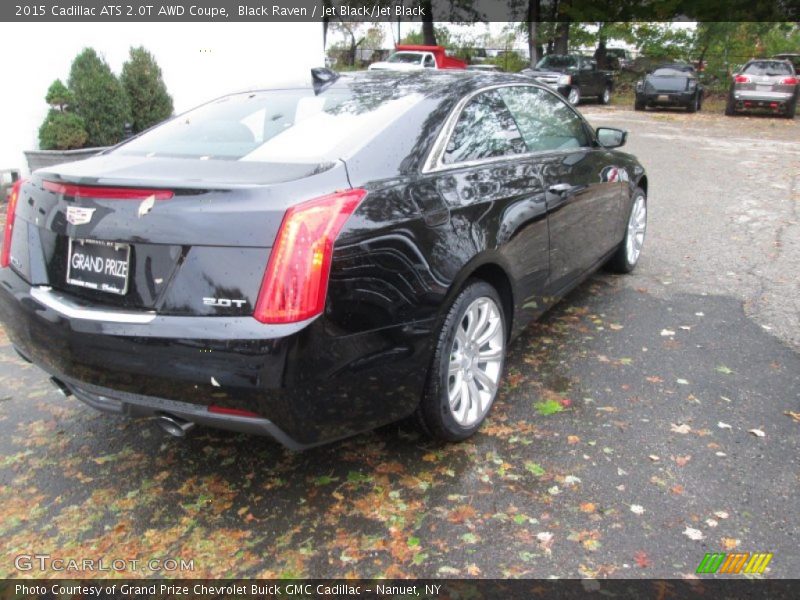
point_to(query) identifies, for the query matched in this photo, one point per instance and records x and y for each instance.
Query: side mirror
(609, 137)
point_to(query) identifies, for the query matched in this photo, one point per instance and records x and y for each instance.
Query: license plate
(663, 98)
(764, 88)
(99, 265)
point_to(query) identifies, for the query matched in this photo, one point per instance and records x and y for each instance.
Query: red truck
(410, 57)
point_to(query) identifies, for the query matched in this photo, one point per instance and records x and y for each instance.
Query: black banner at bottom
(426, 589)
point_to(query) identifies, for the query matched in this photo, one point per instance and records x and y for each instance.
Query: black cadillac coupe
(320, 258)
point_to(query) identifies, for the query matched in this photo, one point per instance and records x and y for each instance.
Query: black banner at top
(393, 10)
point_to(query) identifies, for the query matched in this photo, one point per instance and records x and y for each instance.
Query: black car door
(582, 195)
(494, 196)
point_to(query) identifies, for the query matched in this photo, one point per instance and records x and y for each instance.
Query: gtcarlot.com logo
(46, 562)
(736, 563)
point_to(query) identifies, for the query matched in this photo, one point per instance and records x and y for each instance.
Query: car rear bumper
(306, 384)
(762, 96)
(667, 98)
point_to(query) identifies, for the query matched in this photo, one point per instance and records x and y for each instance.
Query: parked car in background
(574, 77)
(767, 84)
(618, 58)
(317, 259)
(8, 177)
(670, 85)
(411, 57)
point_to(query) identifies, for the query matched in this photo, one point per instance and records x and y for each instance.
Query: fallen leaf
(693, 534)
(722, 425)
(573, 439)
(544, 536)
(682, 461)
(554, 491)
(571, 480)
(684, 428)
(721, 514)
(641, 558)
(654, 379)
(637, 509)
(712, 522)
(794, 415)
(756, 432)
(729, 543)
(724, 370)
(682, 382)
(654, 458)
(676, 489)
(667, 332)
(588, 507)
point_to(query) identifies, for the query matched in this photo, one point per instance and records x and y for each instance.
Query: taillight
(110, 193)
(296, 280)
(5, 253)
(236, 412)
(789, 81)
(742, 79)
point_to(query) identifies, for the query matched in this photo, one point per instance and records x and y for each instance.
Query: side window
(485, 129)
(430, 62)
(546, 122)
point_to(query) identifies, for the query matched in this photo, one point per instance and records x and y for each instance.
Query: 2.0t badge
(78, 215)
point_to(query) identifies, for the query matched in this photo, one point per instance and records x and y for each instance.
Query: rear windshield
(556, 61)
(672, 72)
(276, 126)
(768, 67)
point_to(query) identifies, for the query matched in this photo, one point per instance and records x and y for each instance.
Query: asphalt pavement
(645, 421)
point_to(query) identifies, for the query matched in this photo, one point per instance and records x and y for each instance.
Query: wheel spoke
(491, 355)
(487, 382)
(490, 332)
(475, 397)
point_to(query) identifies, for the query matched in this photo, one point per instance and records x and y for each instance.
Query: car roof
(429, 83)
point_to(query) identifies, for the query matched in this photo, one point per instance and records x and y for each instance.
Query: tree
(99, 99)
(62, 131)
(59, 96)
(147, 94)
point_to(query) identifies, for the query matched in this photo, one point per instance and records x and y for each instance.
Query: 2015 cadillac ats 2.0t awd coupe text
(317, 259)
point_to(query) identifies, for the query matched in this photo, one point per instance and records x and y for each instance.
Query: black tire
(639, 104)
(434, 413)
(619, 263)
(694, 105)
(791, 109)
(730, 107)
(602, 98)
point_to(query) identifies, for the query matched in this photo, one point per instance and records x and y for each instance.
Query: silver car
(767, 84)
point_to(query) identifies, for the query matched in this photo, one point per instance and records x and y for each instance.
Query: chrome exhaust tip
(174, 426)
(61, 387)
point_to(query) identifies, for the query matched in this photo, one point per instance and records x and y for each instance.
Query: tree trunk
(428, 34)
(562, 38)
(534, 10)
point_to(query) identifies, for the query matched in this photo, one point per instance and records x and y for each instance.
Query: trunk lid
(200, 250)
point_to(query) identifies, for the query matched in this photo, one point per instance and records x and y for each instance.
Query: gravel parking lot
(647, 420)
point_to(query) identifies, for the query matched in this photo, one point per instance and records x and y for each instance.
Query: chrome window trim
(434, 162)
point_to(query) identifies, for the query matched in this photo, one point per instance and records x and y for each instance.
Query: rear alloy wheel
(574, 96)
(605, 97)
(626, 257)
(467, 365)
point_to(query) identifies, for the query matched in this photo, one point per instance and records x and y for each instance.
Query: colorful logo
(735, 563)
